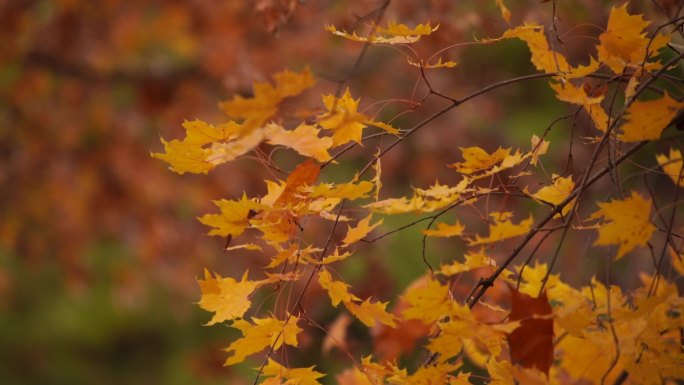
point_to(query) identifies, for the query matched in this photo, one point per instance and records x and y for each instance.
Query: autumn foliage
(499, 310)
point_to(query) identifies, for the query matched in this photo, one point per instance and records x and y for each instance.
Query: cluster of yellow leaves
(647, 324)
(205, 146)
(623, 46)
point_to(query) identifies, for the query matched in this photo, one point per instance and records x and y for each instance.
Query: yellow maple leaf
(293, 376)
(646, 120)
(256, 110)
(344, 120)
(363, 228)
(503, 228)
(304, 139)
(672, 166)
(477, 159)
(439, 191)
(627, 223)
(449, 342)
(570, 93)
(539, 147)
(624, 42)
(371, 312)
(473, 261)
(234, 216)
(394, 33)
(205, 146)
(334, 257)
(543, 57)
(445, 230)
(263, 333)
(428, 302)
(557, 192)
(227, 298)
(349, 191)
(479, 164)
(337, 290)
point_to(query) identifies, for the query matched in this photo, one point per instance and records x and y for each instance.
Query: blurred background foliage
(99, 246)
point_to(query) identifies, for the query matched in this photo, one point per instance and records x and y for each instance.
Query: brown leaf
(531, 343)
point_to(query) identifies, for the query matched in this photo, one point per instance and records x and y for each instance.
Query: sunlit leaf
(363, 228)
(646, 120)
(260, 334)
(503, 228)
(227, 298)
(624, 42)
(304, 139)
(626, 223)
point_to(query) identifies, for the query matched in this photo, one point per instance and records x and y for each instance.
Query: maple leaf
(262, 333)
(394, 33)
(234, 216)
(672, 166)
(557, 192)
(543, 57)
(205, 146)
(428, 303)
(334, 257)
(570, 93)
(294, 376)
(449, 342)
(624, 43)
(363, 228)
(539, 147)
(627, 223)
(304, 139)
(479, 164)
(445, 230)
(477, 159)
(503, 228)
(345, 121)
(337, 290)
(369, 313)
(350, 191)
(646, 120)
(532, 342)
(255, 111)
(472, 261)
(227, 298)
